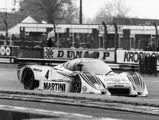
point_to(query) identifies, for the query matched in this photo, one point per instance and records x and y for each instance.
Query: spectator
(51, 38)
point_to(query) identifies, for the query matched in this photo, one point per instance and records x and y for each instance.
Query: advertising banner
(5, 51)
(125, 56)
(54, 53)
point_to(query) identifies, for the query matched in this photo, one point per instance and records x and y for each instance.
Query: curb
(85, 100)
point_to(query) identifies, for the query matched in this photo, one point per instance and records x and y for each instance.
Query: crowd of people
(49, 40)
(83, 40)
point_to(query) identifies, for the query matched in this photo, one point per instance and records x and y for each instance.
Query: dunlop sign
(124, 56)
(105, 55)
(5, 51)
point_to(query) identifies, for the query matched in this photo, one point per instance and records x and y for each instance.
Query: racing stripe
(97, 79)
(142, 82)
(91, 78)
(130, 78)
(87, 80)
(137, 82)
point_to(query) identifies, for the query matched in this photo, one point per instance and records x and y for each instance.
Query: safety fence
(143, 61)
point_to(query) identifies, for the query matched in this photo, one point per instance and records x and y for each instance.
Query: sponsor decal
(54, 86)
(5, 50)
(8, 51)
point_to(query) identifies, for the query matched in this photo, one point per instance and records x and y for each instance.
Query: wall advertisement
(125, 56)
(54, 53)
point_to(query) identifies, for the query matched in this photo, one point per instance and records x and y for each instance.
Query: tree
(49, 10)
(71, 14)
(110, 11)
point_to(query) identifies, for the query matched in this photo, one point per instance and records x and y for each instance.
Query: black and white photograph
(79, 60)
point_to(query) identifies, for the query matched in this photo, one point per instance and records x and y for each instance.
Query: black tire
(28, 79)
(77, 84)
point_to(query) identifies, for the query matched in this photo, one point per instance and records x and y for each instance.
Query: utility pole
(156, 43)
(6, 25)
(80, 17)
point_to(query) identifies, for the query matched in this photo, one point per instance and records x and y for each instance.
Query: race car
(81, 75)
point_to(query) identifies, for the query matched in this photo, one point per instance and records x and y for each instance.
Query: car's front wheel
(28, 80)
(77, 84)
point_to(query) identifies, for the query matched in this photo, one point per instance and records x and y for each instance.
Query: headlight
(98, 86)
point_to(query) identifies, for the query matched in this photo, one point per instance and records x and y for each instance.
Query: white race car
(82, 75)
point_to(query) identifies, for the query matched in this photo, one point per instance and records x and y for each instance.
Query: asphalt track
(9, 85)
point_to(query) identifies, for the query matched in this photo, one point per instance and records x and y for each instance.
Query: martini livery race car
(83, 75)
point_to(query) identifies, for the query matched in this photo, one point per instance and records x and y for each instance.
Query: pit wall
(122, 56)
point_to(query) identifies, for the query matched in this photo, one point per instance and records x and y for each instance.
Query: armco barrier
(148, 65)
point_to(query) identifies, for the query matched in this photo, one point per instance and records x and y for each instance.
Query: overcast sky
(138, 8)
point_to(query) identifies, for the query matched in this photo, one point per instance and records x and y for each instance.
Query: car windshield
(97, 67)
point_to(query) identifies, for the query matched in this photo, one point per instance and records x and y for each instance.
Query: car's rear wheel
(77, 85)
(28, 79)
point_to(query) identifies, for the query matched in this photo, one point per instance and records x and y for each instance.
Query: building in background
(132, 33)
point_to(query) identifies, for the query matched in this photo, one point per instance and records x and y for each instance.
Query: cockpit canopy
(88, 65)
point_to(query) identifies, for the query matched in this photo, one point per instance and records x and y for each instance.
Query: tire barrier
(148, 65)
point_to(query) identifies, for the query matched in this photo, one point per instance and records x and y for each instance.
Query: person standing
(51, 38)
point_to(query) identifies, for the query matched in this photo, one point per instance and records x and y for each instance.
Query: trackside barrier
(12, 52)
(72, 53)
(133, 57)
(148, 65)
(8, 51)
(26, 52)
(125, 59)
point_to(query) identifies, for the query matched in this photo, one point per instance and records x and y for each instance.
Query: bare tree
(49, 10)
(110, 11)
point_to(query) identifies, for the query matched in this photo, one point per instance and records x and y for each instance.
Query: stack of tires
(148, 65)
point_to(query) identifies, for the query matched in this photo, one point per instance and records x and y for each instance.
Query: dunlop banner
(124, 56)
(53, 53)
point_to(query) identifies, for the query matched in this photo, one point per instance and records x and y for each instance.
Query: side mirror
(80, 66)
